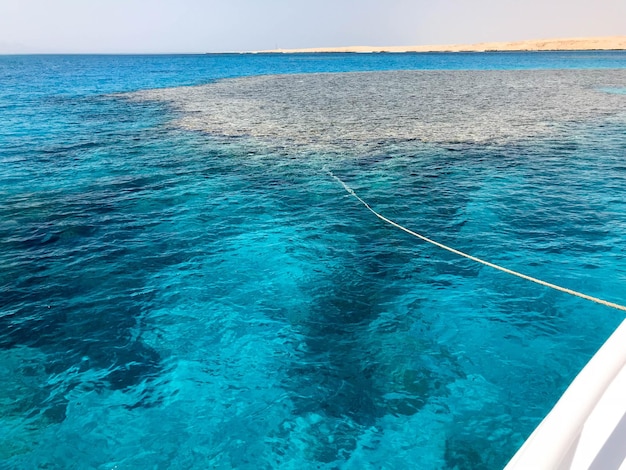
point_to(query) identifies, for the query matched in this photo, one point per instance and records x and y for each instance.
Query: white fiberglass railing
(586, 429)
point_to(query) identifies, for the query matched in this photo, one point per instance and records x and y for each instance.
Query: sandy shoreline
(567, 44)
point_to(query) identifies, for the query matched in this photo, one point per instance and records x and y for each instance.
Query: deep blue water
(172, 301)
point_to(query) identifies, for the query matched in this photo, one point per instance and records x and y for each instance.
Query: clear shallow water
(174, 300)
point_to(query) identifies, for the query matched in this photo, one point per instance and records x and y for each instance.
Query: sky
(197, 26)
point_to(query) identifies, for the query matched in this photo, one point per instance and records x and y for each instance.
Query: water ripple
(188, 300)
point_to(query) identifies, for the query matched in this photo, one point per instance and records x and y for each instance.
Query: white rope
(473, 258)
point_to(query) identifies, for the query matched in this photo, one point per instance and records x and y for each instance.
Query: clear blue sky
(120, 26)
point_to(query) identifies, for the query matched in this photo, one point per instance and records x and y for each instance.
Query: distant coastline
(567, 44)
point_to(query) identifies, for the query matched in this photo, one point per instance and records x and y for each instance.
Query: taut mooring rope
(473, 258)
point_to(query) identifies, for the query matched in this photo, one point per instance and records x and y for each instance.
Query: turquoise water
(170, 298)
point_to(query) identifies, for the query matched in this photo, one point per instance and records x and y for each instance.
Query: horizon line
(593, 43)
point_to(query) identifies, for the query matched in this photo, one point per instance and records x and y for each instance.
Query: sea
(186, 284)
